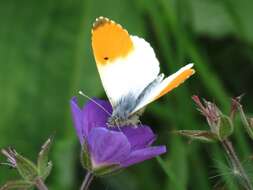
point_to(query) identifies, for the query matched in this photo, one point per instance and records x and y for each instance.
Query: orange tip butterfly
(130, 71)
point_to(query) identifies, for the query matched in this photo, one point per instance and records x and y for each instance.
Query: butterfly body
(123, 111)
(129, 71)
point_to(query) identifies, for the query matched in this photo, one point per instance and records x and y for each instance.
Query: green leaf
(44, 166)
(18, 184)
(226, 127)
(26, 168)
(85, 157)
(200, 135)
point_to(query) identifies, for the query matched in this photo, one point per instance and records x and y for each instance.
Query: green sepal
(250, 120)
(247, 122)
(200, 135)
(26, 168)
(105, 170)
(226, 127)
(85, 157)
(43, 163)
(18, 184)
(47, 170)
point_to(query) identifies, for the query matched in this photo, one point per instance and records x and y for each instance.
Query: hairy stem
(236, 164)
(40, 184)
(87, 181)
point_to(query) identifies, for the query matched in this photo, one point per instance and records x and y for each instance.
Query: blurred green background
(46, 57)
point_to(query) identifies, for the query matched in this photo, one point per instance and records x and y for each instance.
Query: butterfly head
(115, 121)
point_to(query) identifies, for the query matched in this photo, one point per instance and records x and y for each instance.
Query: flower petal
(107, 147)
(139, 137)
(77, 119)
(90, 116)
(95, 114)
(143, 154)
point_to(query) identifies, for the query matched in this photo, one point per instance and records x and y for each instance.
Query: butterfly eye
(106, 58)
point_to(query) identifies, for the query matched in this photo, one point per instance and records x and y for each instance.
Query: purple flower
(111, 146)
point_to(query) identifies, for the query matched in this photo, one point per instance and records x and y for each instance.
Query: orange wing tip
(178, 80)
(109, 41)
(181, 79)
(192, 72)
(100, 21)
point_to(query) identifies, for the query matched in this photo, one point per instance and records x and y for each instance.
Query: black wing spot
(106, 58)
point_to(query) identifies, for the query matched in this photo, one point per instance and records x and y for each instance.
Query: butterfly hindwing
(164, 86)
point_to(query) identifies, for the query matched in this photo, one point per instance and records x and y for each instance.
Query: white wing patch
(170, 83)
(131, 74)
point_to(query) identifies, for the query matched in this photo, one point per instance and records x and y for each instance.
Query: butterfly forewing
(126, 64)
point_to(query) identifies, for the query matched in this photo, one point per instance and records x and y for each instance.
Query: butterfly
(129, 71)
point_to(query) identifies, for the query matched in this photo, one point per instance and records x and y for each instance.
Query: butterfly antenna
(86, 96)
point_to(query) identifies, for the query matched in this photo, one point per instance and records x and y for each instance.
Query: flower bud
(226, 127)
(220, 124)
(29, 171)
(210, 111)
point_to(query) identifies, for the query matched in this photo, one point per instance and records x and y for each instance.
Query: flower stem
(87, 181)
(40, 184)
(236, 164)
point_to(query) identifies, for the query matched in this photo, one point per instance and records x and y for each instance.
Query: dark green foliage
(46, 58)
